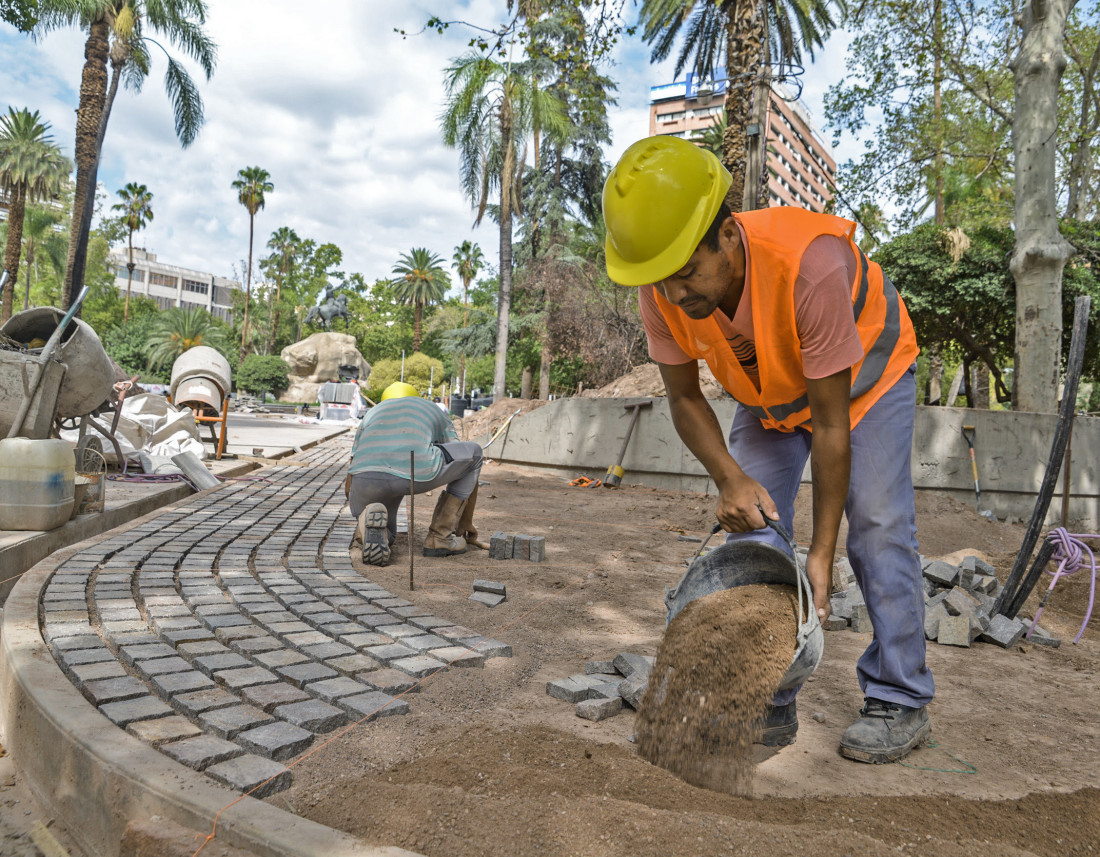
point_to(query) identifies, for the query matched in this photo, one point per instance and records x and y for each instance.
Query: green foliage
(127, 343)
(420, 370)
(263, 373)
(21, 14)
(175, 330)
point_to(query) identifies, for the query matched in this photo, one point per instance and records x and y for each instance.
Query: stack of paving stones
(517, 546)
(600, 691)
(231, 632)
(489, 592)
(958, 606)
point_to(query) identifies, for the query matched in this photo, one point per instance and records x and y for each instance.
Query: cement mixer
(202, 380)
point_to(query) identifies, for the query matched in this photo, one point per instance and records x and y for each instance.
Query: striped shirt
(394, 427)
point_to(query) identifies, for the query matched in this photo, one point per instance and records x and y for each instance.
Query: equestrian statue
(333, 307)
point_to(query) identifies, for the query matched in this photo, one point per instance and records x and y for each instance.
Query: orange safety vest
(777, 240)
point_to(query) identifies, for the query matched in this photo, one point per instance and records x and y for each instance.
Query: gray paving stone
(302, 674)
(399, 631)
(597, 667)
(251, 646)
(229, 635)
(861, 620)
(332, 689)
(130, 654)
(325, 651)
(276, 740)
(161, 666)
(599, 709)
(942, 573)
(455, 632)
(127, 711)
(418, 666)
(538, 548)
(388, 654)
(163, 730)
(306, 638)
(954, 631)
(569, 689)
(488, 599)
(200, 648)
(488, 647)
(253, 775)
(113, 690)
(226, 620)
(270, 696)
(280, 658)
(83, 641)
(389, 681)
(187, 635)
(176, 683)
(834, 623)
(83, 673)
(229, 722)
(320, 620)
(632, 689)
(933, 615)
(459, 656)
(497, 546)
(372, 705)
(427, 623)
(1003, 632)
(76, 657)
(202, 751)
(351, 664)
(209, 664)
(314, 715)
(284, 628)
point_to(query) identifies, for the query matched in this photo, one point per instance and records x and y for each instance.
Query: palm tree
(749, 33)
(41, 237)
(175, 330)
(467, 260)
(251, 184)
(137, 211)
(117, 31)
(491, 109)
(283, 243)
(419, 279)
(31, 168)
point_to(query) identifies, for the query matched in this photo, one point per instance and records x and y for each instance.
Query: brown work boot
(442, 539)
(375, 534)
(466, 527)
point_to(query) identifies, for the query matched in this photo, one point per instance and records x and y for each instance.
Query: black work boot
(885, 732)
(376, 535)
(780, 726)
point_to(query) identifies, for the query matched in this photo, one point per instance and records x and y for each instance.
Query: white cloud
(336, 106)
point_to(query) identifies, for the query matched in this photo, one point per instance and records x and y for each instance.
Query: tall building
(800, 164)
(171, 285)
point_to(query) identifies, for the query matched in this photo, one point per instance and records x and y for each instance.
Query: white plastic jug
(37, 480)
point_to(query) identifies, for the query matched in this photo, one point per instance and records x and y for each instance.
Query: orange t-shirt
(828, 337)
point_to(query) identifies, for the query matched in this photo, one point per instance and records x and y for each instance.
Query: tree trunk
(93, 96)
(417, 312)
(544, 373)
(981, 386)
(526, 382)
(756, 156)
(504, 299)
(935, 378)
(937, 107)
(744, 49)
(1041, 252)
(248, 287)
(275, 312)
(16, 211)
(129, 280)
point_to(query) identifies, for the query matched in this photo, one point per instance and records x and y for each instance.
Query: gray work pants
(460, 475)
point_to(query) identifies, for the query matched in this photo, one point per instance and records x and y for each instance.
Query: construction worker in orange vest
(814, 343)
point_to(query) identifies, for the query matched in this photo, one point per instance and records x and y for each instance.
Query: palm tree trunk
(275, 312)
(16, 211)
(416, 326)
(504, 300)
(247, 288)
(744, 49)
(93, 96)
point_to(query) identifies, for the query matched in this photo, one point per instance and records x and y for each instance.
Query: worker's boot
(885, 732)
(375, 534)
(780, 726)
(442, 540)
(466, 527)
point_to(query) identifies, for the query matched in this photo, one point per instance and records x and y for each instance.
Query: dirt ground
(486, 763)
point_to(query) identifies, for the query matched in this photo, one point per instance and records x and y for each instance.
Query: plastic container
(204, 362)
(37, 479)
(747, 562)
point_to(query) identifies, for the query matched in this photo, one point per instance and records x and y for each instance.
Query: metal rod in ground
(412, 476)
(1010, 595)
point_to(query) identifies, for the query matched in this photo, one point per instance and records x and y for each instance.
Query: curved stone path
(231, 631)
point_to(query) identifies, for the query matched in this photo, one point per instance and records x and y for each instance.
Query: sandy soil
(486, 763)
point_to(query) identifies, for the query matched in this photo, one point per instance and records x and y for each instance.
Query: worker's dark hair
(711, 238)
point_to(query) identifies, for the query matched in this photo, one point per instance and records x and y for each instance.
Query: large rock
(316, 359)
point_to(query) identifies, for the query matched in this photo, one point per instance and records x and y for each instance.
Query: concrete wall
(580, 435)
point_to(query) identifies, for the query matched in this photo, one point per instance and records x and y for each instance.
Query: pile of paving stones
(958, 609)
(600, 691)
(489, 592)
(517, 546)
(232, 631)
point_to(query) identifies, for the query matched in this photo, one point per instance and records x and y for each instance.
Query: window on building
(156, 279)
(670, 117)
(163, 302)
(195, 286)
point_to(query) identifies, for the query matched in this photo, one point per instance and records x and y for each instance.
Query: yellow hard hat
(658, 203)
(398, 389)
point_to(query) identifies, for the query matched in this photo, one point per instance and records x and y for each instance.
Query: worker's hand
(742, 505)
(819, 568)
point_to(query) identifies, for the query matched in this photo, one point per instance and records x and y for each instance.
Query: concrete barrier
(582, 435)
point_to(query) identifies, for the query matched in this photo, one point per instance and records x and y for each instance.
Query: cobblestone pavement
(231, 631)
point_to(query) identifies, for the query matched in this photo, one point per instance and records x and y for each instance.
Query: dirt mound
(720, 662)
(488, 420)
(645, 380)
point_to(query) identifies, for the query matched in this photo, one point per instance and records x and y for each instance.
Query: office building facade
(171, 285)
(800, 164)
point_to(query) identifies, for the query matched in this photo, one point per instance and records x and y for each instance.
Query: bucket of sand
(746, 562)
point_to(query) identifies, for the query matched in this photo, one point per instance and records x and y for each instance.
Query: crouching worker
(378, 476)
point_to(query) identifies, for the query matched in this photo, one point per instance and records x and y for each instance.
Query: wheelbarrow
(746, 562)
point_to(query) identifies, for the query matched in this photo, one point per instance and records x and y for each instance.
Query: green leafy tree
(122, 31)
(260, 373)
(127, 343)
(283, 244)
(381, 324)
(21, 14)
(43, 242)
(750, 36)
(491, 109)
(31, 168)
(137, 211)
(419, 280)
(420, 370)
(251, 184)
(177, 329)
(468, 261)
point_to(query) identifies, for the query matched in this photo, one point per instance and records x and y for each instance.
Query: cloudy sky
(339, 109)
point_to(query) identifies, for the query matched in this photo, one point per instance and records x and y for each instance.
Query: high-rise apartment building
(171, 285)
(800, 164)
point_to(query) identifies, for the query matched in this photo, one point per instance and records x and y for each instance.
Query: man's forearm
(699, 429)
(830, 467)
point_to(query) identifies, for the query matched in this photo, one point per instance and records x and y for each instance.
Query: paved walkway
(231, 631)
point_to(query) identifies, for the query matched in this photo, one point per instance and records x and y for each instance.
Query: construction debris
(600, 691)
